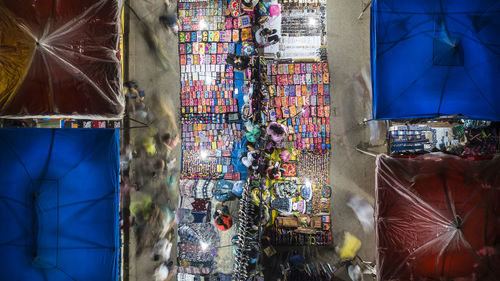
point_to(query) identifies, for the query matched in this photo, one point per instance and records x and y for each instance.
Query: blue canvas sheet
(433, 58)
(59, 204)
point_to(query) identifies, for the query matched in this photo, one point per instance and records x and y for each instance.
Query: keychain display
(287, 236)
(303, 29)
(313, 166)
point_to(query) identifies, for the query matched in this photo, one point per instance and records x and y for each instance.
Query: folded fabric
(196, 256)
(190, 216)
(186, 187)
(185, 277)
(204, 189)
(194, 267)
(196, 233)
(194, 204)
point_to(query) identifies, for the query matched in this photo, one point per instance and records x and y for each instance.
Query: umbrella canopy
(59, 204)
(437, 218)
(59, 58)
(433, 58)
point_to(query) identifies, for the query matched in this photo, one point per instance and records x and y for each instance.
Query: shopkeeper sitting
(223, 220)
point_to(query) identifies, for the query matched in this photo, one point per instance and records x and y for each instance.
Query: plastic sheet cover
(438, 218)
(59, 204)
(432, 58)
(60, 59)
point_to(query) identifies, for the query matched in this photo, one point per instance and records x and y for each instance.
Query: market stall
(254, 128)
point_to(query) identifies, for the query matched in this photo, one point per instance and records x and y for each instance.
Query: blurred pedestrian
(170, 22)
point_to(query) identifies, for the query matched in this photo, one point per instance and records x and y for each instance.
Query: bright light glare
(307, 182)
(203, 154)
(204, 246)
(208, 80)
(313, 22)
(202, 25)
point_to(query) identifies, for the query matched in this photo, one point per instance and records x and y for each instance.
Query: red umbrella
(438, 218)
(59, 58)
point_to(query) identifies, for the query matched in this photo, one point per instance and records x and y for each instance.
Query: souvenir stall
(212, 136)
(253, 128)
(288, 133)
(299, 104)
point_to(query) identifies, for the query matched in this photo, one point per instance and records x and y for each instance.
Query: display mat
(59, 191)
(437, 218)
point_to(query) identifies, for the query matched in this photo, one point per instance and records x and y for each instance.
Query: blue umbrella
(435, 58)
(59, 204)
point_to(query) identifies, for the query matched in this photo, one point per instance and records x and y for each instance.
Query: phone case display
(207, 150)
(212, 133)
(197, 15)
(300, 97)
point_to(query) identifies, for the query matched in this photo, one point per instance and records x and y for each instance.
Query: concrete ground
(153, 63)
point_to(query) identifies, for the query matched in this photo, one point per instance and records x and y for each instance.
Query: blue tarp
(59, 191)
(433, 58)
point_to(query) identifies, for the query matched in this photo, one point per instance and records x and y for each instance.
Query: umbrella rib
(49, 76)
(479, 41)
(83, 158)
(403, 38)
(485, 197)
(408, 194)
(411, 85)
(419, 249)
(105, 197)
(74, 68)
(481, 92)
(488, 10)
(11, 242)
(442, 90)
(65, 273)
(15, 201)
(113, 60)
(85, 241)
(17, 156)
(67, 27)
(18, 219)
